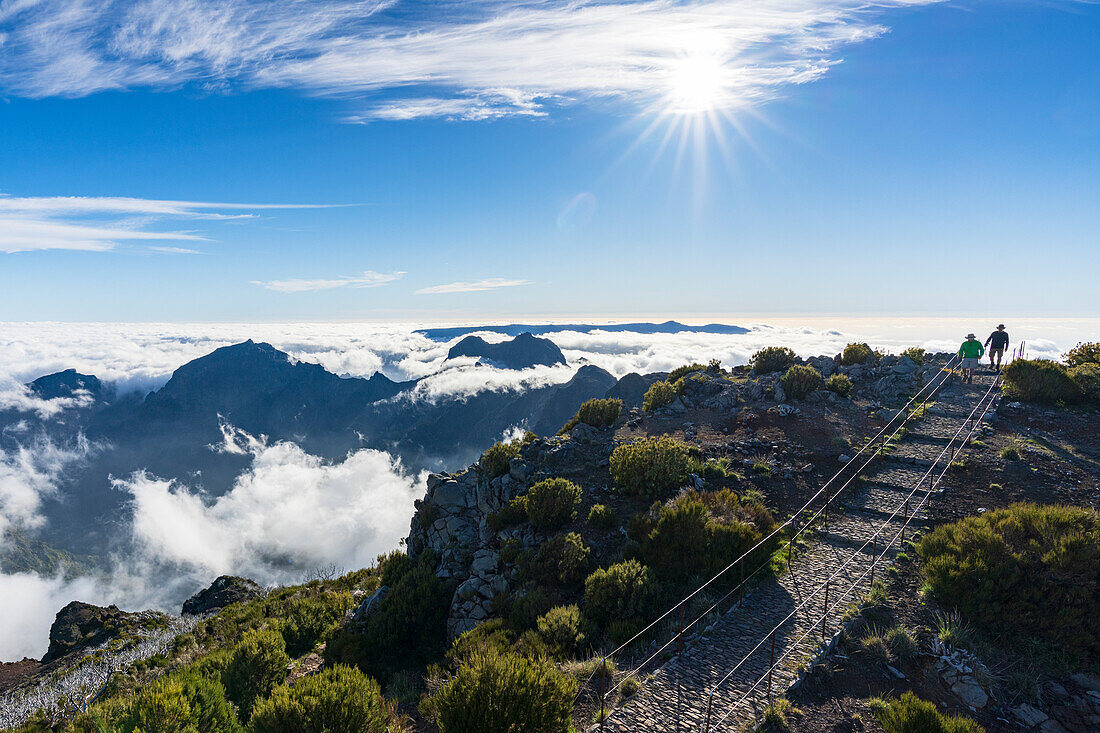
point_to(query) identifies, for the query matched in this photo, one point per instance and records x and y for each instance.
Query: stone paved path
(676, 698)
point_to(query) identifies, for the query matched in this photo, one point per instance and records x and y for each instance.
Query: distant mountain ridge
(522, 352)
(515, 329)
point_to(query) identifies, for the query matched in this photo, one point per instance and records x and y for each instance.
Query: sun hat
(971, 336)
(1001, 327)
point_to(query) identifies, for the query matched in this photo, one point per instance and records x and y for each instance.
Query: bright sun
(698, 84)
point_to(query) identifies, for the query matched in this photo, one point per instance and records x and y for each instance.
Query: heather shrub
(601, 516)
(658, 395)
(595, 412)
(561, 628)
(1083, 353)
(337, 699)
(682, 371)
(1087, 379)
(840, 384)
(1025, 572)
(700, 533)
(772, 359)
(623, 591)
(407, 631)
(497, 691)
(497, 459)
(510, 514)
(1039, 380)
(651, 467)
(910, 714)
(855, 354)
(311, 618)
(552, 503)
(256, 666)
(800, 380)
(564, 560)
(915, 353)
(184, 701)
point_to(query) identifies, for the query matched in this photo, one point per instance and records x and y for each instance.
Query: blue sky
(494, 159)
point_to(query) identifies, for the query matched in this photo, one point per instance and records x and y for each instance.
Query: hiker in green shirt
(970, 351)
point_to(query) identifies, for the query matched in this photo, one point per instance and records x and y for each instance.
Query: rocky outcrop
(80, 625)
(224, 591)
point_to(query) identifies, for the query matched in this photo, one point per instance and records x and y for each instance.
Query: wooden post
(710, 703)
(603, 689)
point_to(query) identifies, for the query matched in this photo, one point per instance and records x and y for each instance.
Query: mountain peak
(522, 352)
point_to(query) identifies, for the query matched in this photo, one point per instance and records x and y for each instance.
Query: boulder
(370, 605)
(81, 625)
(226, 590)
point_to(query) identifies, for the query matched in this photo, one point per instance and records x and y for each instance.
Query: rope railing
(954, 448)
(905, 414)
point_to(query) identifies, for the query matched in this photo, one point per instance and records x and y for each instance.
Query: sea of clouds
(290, 511)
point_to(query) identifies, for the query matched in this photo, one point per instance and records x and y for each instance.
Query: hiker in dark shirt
(998, 344)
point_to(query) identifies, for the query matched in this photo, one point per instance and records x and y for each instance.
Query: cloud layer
(472, 60)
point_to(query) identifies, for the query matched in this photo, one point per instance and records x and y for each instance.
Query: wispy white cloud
(491, 283)
(472, 60)
(369, 279)
(98, 224)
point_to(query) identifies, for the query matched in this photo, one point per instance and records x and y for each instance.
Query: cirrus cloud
(368, 279)
(490, 283)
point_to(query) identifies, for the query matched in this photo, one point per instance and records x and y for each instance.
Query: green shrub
(564, 560)
(497, 460)
(658, 395)
(1087, 379)
(753, 496)
(597, 413)
(560, 628)
(873, 648)
(1083, 353)
(1025, 572)
(840, 384)
(714, 469)
(525, 610)
(800, 380)
(702, 533)
(502, 692)
(256, 666)
(623, 591)
(552, 503)
(601, 516)
(915, 353)
(650, 467)
(776, 715)
(855, 354)
(1039, 380)
(772, 359)
(512, 513)
(406, 632)
(910, 714)
(311, 618)
(1010, 453)
(682, 371)
(337, 699)
(902, 643)
(392, 567)
(184, 701)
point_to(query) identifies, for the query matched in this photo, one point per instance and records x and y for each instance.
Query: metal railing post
(874, 559)
(710, 704)
(603, 690)
(771, 664)
(825, 612)
(741, 586)
(905, 521)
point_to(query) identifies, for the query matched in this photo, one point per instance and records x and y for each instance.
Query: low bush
(901, 642)
(700, 533)
(650, 467)
(1025, 572)
(625, 590)
(1083, 353)
(839, 384)
(597, 413)
(184, 701)
(1039, 380)
(915, 353)
(512, 513)
(776, 716)
(256, 666)
(873, 648)
(1010, 453)
(406, 632)
(715, 469)
(337, 699)
(800, 380)
(561, 629)
(1087, 379)
(658, 395)
(552, 503)
(503, 692)
(563, 561)
(497, 459)
(855, 354)
(910, 714)
(524, 610)
(601, 516)
(682, 371)
(772, 359)
(311, 618)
